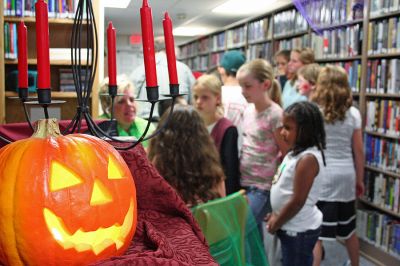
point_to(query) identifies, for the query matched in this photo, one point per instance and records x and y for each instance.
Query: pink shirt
(260, 153)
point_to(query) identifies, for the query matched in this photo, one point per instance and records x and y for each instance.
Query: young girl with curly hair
(343, 181)
(185, 155)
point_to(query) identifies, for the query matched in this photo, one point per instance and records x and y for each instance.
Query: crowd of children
(291, 138)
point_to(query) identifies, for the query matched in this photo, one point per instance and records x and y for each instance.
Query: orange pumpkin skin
(28, 186)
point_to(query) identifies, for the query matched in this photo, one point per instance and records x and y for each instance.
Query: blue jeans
(260, 204)
(297, 248)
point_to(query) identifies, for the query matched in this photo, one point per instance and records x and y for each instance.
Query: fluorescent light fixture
(241, 7)
(189, 31)
(116, 3)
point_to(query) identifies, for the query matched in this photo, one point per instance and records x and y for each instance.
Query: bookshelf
(60, 30)
(369, 50)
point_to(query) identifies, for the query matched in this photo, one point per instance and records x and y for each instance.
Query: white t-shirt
(340, 180)
(234, 105)
(309, 217)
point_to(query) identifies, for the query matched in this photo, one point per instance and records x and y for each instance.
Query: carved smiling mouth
(96, 241)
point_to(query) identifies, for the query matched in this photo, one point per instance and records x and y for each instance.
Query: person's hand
(272, 227)
(359, 188)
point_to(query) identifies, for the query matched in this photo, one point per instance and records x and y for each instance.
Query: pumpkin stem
(46, 128)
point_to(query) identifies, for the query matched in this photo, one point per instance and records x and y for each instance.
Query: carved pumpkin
(66, 200)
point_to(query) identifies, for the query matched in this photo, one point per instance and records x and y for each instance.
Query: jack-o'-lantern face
(65, 200)
(62, 178)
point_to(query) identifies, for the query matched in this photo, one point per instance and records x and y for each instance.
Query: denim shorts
(260, 204)
(297, 247)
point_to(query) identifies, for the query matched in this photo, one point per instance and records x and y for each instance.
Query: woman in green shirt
(125, 109)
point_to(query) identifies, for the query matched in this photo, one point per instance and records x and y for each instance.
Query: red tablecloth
(166, 233)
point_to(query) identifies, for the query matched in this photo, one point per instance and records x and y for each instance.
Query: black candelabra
(84, 35)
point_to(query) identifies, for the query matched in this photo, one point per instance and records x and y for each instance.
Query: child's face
(289, 130)
(281, 65)
(294, 63)
(305, 87)
(205, 101)
(252, 89)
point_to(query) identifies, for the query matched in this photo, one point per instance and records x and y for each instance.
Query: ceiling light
(189, 31)
(116, 3)
(240, 7)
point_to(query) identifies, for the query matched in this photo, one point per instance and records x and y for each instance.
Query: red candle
(22, 56)
(148, 44)
(42, 45)
(112, 55)
(170, 49)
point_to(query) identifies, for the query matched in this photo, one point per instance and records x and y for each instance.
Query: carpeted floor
(336, 255)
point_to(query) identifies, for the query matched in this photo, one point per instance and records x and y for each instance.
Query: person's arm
(283, 147)
(358, 155)
(307, 169)
(230, 160)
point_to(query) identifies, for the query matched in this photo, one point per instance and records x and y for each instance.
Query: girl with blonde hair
(263, 146)
(298, 58)
(207, 101)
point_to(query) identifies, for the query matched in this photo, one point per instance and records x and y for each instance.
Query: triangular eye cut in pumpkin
(62, 177)
(100, 194)
(114, 172)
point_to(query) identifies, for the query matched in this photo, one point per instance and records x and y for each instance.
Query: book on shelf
(259, 30)
(379, 7)
(382, 190)
(383, 116)
(236, 37)
(382, 153)
(338, 42)
(66, 78)
(261, 50)
(383, 76)
(26, 8)
(384, 36)
(288, 22)
(218, 41)
(10, 41)
(379, 230)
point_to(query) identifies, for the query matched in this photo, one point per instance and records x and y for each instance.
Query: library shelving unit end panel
(2, 89)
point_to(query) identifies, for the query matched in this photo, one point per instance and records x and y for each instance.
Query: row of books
(262, 50)
(198, 63)
(380, 230)
(384, 36)
(383, 76)
(292, 43)
(383, 191)
(353, 70)
(10, 40)
(259, 30)
(215, 58)
(188, 50)
(324, 13)
(67, 79)
(289, 22)
(382, 153)
(26, 8)
(383, 116)
(236, 37)
(380, 7)
(218, 41)
(339, 42)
